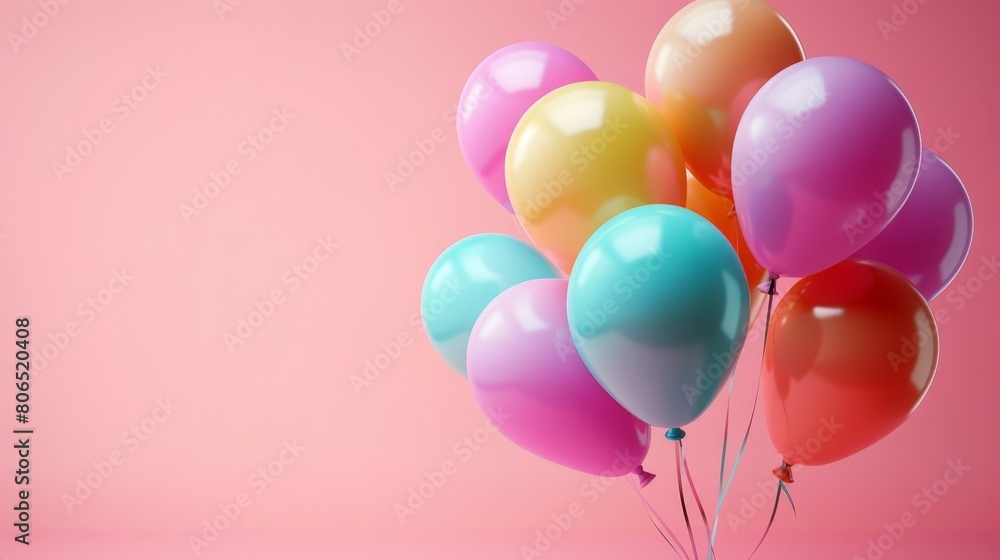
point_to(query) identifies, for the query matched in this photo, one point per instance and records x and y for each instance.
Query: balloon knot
(732, 212)
(644, 477)
(784, 473)
(675, 434)
(769, 286)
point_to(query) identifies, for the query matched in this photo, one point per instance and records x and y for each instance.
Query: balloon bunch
(672, 215)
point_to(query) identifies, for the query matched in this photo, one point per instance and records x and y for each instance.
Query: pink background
(323, 176)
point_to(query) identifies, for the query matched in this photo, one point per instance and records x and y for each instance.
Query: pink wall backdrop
(173, 169)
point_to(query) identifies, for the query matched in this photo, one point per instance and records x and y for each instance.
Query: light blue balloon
(659, 308)
(465, 279)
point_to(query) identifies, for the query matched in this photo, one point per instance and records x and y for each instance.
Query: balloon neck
(732, 212)
(675, 434)
(769, 286)
(784, 473)
(644, 477)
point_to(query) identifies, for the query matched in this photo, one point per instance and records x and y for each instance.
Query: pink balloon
(525, 373)
(825, 155)
(930, 238)
(499, 92)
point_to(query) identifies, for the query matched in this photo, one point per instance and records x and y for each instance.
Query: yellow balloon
(583, 154)
(705, 66)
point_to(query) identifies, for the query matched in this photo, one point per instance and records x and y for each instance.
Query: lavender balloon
(526, 374)
(825, 155)
(499, 92)
(930, 238)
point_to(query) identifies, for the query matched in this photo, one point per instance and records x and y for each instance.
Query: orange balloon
(719, 211)
(706, 64)
(851, 354)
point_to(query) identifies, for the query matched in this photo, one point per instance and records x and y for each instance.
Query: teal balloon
(659, 308)
(465, 279)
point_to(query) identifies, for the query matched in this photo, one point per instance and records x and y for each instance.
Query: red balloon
(851, 353)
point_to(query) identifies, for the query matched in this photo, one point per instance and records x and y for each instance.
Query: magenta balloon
(499, 92)
(825, 155)
(525, 373)
(930, 238)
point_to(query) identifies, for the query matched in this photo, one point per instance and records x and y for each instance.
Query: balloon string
(722, 471)
(694, 491)
(680, 492)
(651, 514)
(725, 433)
(771, 288)
(782, 487)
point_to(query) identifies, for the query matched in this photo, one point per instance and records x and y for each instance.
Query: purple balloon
(525, 373)
(825, 155)
(930, 238)
(499, 92)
